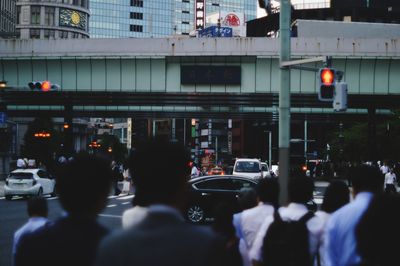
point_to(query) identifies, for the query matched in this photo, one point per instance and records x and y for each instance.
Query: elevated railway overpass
(143, 77)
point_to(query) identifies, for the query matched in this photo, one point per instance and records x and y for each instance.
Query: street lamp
(3, 83)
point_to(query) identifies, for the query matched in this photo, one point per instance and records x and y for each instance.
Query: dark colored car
(206, 192)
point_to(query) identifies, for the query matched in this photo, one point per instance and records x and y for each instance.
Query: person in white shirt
(136, 214)
(390, 179)
(195, 172)
(300, 190)
(384, 168)
(252, 219)
(37, 211)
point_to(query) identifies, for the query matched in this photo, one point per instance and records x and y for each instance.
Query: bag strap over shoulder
(306, 217)
(277, 216)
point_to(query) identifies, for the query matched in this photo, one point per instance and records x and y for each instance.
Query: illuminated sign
(72, 18)
(200, 14)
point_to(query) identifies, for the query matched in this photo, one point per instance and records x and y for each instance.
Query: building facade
(53, 19)
(8, 18)
(155, 18)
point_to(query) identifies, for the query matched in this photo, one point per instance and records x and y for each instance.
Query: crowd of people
(154, 232)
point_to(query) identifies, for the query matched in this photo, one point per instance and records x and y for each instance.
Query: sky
(261, 12)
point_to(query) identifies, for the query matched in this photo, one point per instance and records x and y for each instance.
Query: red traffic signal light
(327, 81)
(43, 86)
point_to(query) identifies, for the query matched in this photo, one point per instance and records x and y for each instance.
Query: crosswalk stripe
(125, 197)
(2, 197)
(111, 205)
(124, 203)
(111, 216)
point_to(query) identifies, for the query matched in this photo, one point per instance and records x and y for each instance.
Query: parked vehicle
(250, 168)
(206, 192)
(29, 182)
(216, 171)
(267, 173)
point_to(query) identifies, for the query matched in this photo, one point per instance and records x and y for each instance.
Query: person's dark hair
(377, 231)
(37, 206)
(160, 171)
(300, 189)
(247, 198)
(84, 184)
(366, 178)
(223, 216)
(336, 195)
(268, 190)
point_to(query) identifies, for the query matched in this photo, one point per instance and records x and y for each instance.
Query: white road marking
(111, 205)
(53, 198)
(125, 197)
(318, 200)
(124, 203)
(111, 216)
(112, 197)
(2, 197)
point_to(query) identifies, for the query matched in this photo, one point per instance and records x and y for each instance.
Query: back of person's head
(366, 178)
(377, 232)
(247, 198)
(300, 189)
(160, 172)
(336, 195)
(223, 216)
(268, 190)
(37, 206)
(84, 184)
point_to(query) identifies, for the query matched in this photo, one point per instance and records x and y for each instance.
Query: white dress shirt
(32, 225)
(293, 212)
(390, 178)
(251, 221)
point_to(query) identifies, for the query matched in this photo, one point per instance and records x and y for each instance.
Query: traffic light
(327, 82)
(340, 97)
(43, 86)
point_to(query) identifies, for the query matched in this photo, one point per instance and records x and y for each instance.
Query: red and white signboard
(231, 19)
(200, 15)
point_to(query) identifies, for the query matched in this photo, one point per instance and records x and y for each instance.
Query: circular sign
(232, 20)
(75, 18)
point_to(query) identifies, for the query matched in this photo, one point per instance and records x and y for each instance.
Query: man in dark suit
(83, 185)
(163, 237)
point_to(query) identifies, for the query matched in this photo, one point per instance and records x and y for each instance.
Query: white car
(250, 168)
(29, 182)
(265, 170)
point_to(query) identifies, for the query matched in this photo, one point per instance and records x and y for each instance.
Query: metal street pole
(269, 148)
(284, 101)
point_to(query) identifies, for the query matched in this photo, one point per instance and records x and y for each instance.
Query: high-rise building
(155, 18)
(8, 18)
(56, 19)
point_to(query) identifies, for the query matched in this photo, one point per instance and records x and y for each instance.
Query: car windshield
(247, 167)
(21, 176)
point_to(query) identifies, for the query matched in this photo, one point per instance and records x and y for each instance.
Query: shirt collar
(163, 208)
(364, 195)
(297, 206)
(37, 219)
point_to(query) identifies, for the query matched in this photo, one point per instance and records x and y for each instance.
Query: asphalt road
(13, 215)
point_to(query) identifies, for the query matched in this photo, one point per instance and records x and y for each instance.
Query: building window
(49, 16)
(34, 33)
(138, 3)
(136, 15)
(35, 15)
(186, 12)
(18, 14)
(136, 28)
(185, 22)
(63, 34)
(49, 34)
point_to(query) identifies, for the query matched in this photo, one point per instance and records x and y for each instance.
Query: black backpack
(286, 242)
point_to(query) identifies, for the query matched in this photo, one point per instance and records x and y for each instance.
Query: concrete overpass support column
(69, 131)
(372, 135)
(284, 102)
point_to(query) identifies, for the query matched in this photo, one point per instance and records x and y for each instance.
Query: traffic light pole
(284, 101)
